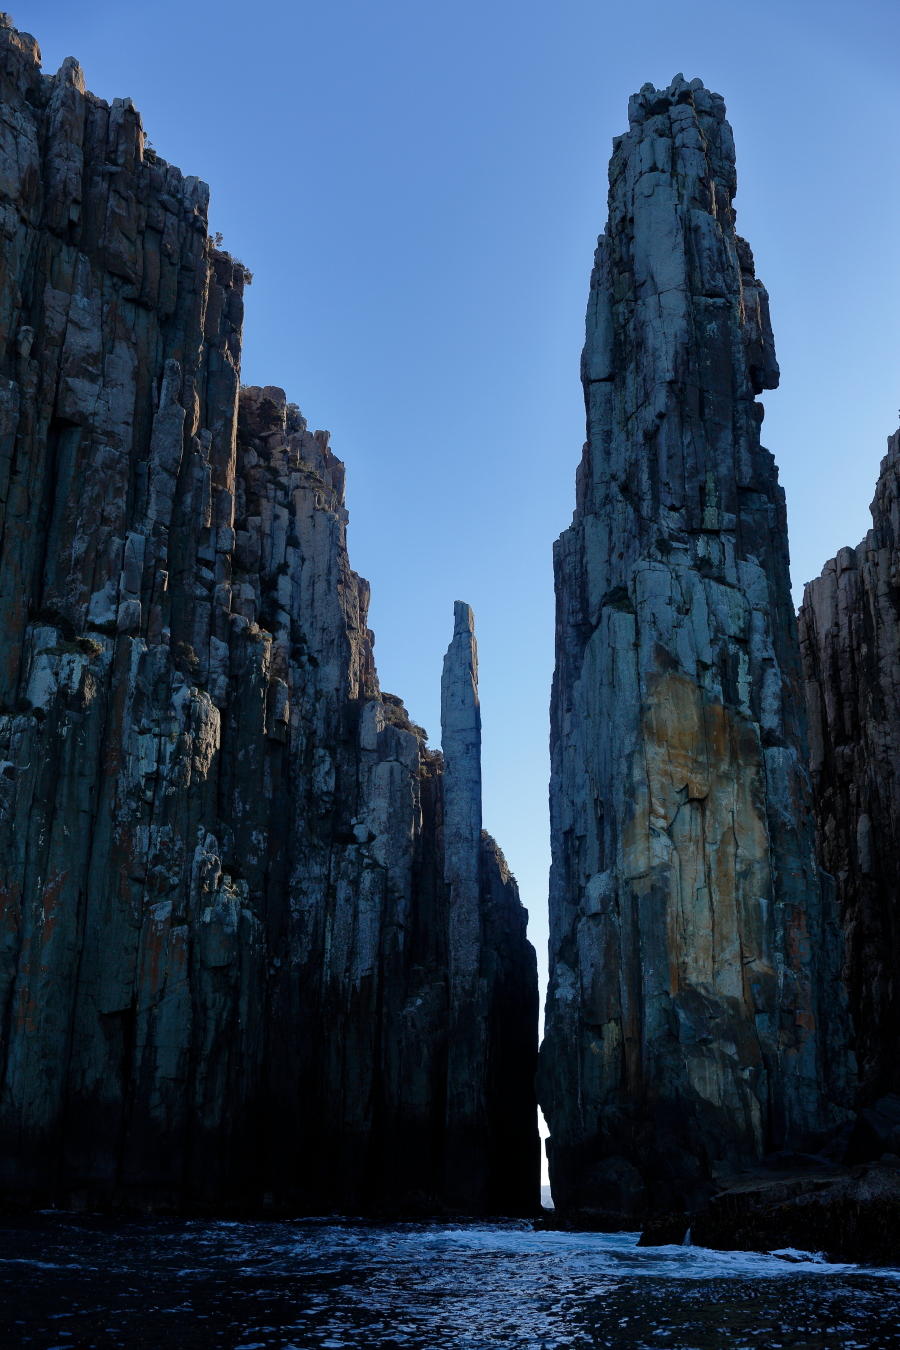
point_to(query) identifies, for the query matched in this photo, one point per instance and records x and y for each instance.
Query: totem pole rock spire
(693, 1015)
(461, 745)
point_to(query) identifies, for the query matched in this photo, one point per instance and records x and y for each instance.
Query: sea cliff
(238, 966)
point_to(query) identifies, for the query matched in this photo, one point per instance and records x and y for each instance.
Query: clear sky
(418, 188)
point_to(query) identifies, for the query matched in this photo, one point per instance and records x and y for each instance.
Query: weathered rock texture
(228, 954)
(850, 1214)
(850, 637)
(461, 744)
(694, 1017)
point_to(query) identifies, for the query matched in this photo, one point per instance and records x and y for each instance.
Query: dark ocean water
(68, 1280)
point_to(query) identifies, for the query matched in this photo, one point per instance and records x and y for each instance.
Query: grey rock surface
(227, 945)
(694, 1018)
(849, 1214)
(461, 745)
(850, 636)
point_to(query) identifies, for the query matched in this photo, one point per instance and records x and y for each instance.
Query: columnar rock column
(850, 636)
(693, 1014)
(461, 745)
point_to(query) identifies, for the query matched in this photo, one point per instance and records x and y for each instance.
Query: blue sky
(418, 188)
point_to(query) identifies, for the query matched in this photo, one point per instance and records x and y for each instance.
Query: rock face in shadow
(848, 1214)
(694, 1014)
(229, 966)
(461, 745)
(850, 635)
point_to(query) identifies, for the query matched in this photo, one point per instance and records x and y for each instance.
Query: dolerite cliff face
(694, 1018)
(850, 635)
(228, 962)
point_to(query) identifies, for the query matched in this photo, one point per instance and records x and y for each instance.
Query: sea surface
(68, 1280)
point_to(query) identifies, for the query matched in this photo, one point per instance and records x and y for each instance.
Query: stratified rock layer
(694, 1017)
(850, 636)
(225, 961)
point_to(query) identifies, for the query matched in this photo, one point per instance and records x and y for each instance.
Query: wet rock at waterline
(232, 946)
(845, 1214)
(695, 1020)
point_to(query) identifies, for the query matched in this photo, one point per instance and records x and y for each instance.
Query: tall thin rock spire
(850, 637)
(461, 745)
(694, 1018)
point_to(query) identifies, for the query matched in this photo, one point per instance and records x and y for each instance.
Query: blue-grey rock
(695, 1018)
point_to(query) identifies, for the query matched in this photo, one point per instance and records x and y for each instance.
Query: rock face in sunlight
(850, 635)
(694, 1020)
(238, 966)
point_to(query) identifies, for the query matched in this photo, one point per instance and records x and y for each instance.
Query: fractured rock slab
(848, 1214)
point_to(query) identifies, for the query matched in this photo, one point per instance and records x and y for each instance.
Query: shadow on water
(72, 1281)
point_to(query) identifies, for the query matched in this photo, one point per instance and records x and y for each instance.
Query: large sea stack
(233, 945)
(850, 634)
(694, 1014)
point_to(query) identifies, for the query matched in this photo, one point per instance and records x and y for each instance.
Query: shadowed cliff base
(795, 1203)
